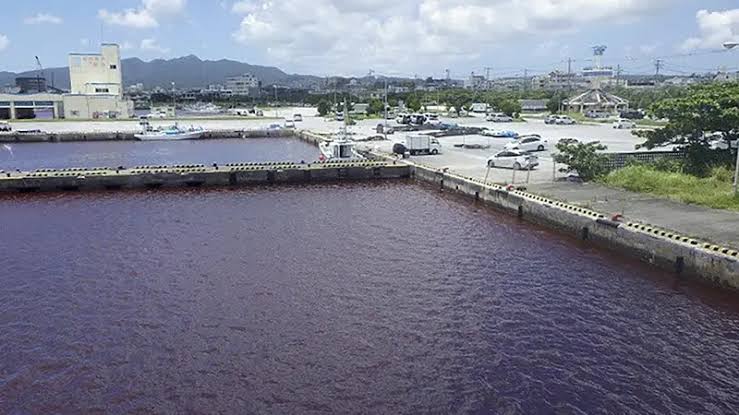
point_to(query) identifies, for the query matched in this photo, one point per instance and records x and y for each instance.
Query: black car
(632, 114)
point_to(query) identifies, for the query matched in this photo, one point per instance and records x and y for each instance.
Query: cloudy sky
(407, 37)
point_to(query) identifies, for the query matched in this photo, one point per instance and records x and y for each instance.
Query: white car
(498, 117)
(564, 120)
(624, 123)
(289, 124)
(297, 118)
(4, 126)
(513, 159)
(528, 144)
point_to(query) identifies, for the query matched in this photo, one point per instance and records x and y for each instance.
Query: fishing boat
(173, 132)
(341, 148)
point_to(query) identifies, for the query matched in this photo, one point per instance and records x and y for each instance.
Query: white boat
(174, 132)
(340, 149)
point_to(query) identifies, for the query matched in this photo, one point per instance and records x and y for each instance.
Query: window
(113, 66)
(76, 61)
(101, 90)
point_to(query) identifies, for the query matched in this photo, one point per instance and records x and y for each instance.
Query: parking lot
(473, 162)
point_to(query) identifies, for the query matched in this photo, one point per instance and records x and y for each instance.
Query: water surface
(30, 156)
(387, 298)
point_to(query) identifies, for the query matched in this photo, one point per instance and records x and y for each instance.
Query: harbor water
(372, 298)
(29, 156)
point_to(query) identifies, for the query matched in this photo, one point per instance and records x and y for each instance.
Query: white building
(96, 82)
(243, 85)
(96, 91)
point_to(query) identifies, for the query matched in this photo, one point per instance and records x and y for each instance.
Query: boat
(340, 149)
(173, 132)
(204, 108)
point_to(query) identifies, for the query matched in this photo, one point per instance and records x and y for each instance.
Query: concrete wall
(86, 70)
(677, 253)
(85, 107)
(197, 175)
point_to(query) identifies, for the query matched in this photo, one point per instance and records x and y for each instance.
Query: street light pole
(730, 46)
(174, 100)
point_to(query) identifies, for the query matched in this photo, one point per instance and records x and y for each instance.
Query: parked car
(521, 137)
(289, 124)
(551, 119)
(632, 114)
(274, 127)
(514, 159)
(4, 126)
(564, 120)
(403, 119)
(297, 118)
(528, 144)
(499, 133)
(624, 123)
(597, 114)
(499, 117)
(720, 143)
(417, 119)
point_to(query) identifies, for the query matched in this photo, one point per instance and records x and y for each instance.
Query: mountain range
(187, 72)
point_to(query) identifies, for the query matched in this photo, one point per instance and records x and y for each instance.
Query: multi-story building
(96, 82)
(243, 85)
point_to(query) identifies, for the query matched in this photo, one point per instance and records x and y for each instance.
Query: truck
(422, 144)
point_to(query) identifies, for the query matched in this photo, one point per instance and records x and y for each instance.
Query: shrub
(583, 158)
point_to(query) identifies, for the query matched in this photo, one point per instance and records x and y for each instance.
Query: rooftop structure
(596, 100)
(96, 73)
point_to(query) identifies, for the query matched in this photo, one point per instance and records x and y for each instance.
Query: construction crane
(40, 75)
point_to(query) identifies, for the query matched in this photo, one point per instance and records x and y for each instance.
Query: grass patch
(714, 191)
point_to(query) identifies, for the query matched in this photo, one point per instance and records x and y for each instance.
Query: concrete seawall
(147, 177)
(681, 254)
(42, 137)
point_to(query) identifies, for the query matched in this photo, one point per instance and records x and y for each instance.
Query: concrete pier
(682, 254)
(41, 137)
(196, 175)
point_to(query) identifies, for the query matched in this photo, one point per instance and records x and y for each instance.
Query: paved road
(718, 226)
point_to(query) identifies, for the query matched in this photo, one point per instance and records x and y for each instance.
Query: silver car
(513, 159)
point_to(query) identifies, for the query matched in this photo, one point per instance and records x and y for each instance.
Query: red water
(387, 298)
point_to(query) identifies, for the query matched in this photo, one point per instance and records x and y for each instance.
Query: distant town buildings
(243, 85)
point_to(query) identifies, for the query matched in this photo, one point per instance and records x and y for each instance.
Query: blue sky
(423, 37)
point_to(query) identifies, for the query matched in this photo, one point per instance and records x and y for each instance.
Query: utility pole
(569, 74)
(384, 129)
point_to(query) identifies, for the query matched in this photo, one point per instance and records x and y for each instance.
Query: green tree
(509, 107)
(413, 103)
(554, 103)
(694, 120)
(324, 107)
(375, 106)
(583, 158)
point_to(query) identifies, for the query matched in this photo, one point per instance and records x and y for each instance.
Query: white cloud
(84, 42)
(4, 41)
(41, 18)
(147, 15)
(127, 45)
(151, 45)
(383, 34)
(715, 29)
